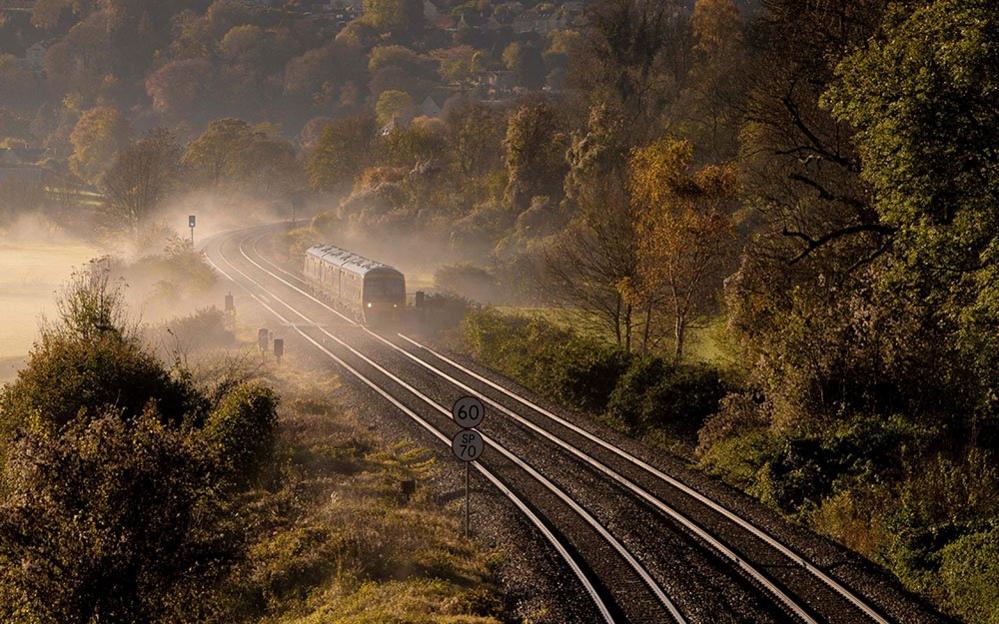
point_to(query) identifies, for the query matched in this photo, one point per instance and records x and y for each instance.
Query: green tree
(394, 15)
(923, 98)
(535, 154)
(98, 137)
(392, 104)
(342, 152)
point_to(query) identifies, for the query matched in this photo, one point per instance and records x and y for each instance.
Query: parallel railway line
(640, 479)
(600, 602)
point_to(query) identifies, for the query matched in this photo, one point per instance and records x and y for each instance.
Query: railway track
(783, 584)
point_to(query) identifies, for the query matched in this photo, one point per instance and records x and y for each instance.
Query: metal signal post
(191, 222)
(468, 444)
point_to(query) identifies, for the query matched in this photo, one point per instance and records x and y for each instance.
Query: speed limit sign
(468, 412)
(468, 445)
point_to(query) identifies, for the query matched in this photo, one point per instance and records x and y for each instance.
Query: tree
(686, 240)
(422, 142)
(594, 258)
(535, 148)
(923, 98)
(475, 132)
(19, 87)
(99, 135)
(392, 105)
(51, 14)
(343, 151)
(141, 178)
(179, 88)
(527, 64)
(712, 102)
(211, 157)
(635, 60)
(232, 153)
(458, 65)
(394, 15)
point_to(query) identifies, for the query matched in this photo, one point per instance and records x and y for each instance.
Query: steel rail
(513, 497)
(715, 506)
(757, 532)
(691, 525)
(558, 492)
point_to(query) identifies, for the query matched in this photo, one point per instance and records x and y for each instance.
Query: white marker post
(468, 444)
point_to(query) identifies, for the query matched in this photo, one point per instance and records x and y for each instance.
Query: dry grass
(336, 540)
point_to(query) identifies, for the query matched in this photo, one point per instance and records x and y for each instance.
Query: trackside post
(467, 444)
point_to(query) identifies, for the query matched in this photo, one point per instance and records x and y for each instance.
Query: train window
(385, 287)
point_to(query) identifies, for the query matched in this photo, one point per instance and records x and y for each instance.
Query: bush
(548, 359)
(241, 430)
(627, 402)
(655, 395)
(467, 281)
(111, 521)
(89, 361)
(970, 574)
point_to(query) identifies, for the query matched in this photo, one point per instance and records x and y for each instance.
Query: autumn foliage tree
(98, 137)
(685, 235)
(141, 179)
(341, 153)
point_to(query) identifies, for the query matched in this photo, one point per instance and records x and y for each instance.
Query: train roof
(348, 260)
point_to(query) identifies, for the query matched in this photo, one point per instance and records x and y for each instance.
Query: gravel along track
(636, 537)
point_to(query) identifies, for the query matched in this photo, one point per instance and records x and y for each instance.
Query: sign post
(191, 222)
(263, 340)
(468, 444)
(278, 345)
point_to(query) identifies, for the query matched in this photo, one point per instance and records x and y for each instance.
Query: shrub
(90, 361)
(467, 281)
(627, 402)
(970, 574)
(241, 430)
(112, 520)
(548, 359)
(653, 395)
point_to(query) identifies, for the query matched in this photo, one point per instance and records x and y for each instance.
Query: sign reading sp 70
(468, 445)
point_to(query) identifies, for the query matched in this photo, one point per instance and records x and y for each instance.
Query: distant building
(533, 21)
(429, 108)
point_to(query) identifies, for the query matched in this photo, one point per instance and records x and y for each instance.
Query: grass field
(706, 343)
(32, 272)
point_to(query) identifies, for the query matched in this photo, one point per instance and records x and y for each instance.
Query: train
(370, 292)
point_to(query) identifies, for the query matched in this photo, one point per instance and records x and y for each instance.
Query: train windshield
(385, 288)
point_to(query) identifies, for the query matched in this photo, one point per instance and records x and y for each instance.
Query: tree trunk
(679, 334)
(627, 328)
(617, 322)
(648, 329)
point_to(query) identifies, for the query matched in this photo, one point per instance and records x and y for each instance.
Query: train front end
(384, 298)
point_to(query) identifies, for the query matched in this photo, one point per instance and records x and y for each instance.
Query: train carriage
(368, 291)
